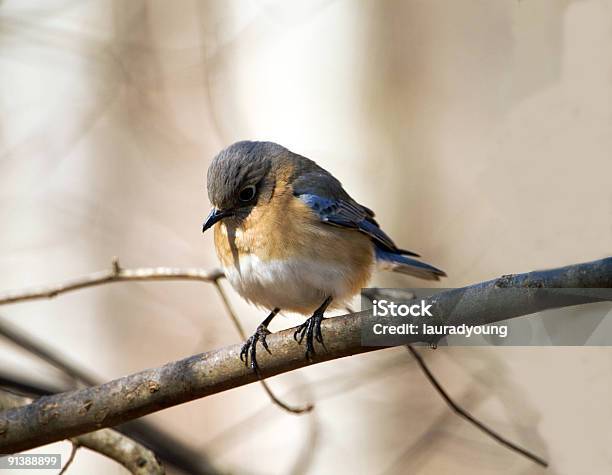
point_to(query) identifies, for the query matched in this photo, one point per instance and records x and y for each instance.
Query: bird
(289, 237)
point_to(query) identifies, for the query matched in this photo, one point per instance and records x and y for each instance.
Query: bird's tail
(398, 263)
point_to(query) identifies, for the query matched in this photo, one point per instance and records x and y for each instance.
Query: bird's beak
(215, 216)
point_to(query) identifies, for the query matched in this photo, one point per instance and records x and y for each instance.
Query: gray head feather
(239, 165)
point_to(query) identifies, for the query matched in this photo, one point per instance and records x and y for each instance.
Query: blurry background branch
(72, 413)
(136, 458)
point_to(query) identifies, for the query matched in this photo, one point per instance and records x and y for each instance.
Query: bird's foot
(311, 329)
(249, 349)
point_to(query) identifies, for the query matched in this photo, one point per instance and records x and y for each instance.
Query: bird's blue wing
(347, 214)
(325, 195)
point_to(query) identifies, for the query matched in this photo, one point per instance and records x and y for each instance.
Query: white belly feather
(290, 284)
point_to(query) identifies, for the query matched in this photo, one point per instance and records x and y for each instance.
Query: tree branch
(73, 451)
(116, 274)
(135, 457)
(66, 415)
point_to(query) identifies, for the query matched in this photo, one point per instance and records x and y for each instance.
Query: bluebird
(289, 237)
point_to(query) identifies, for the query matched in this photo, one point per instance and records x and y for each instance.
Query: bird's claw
(250, 347)
(311, 329)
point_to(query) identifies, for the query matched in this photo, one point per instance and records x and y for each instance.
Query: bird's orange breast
(286, 228)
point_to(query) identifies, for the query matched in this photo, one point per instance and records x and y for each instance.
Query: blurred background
(479, 131)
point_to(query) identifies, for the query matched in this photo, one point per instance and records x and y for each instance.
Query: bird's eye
(247, 193)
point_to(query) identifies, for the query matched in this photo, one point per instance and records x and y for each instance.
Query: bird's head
(240, 177)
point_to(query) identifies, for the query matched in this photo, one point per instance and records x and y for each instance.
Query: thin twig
(73, 452)
(467, 416)
(230, 310)
(275, 399)
(116, 274)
